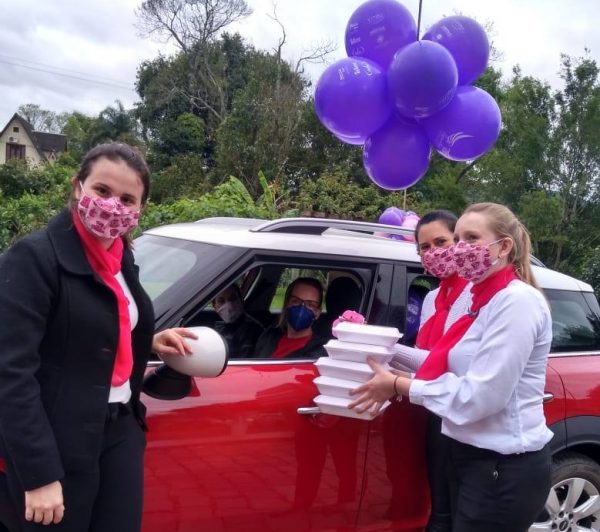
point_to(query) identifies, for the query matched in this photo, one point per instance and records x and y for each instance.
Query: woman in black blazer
(77, 330)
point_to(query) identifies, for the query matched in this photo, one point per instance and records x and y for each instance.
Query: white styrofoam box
(346, 331)
(338, 406)
(335, 387)
(342, 369)
(358, 352)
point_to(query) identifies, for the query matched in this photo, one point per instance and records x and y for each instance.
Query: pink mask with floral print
(439, 261)
(473, 260)
(106, 217)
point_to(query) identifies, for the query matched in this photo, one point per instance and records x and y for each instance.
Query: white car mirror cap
(209, 357)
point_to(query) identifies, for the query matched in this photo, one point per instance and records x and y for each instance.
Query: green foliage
(263, 123)
(20, 216)
(221, 108)
(184, 135)
(29, 197)
(17, 179)
(334, 195)
(591, 270)
(230, 198)
(184, 177)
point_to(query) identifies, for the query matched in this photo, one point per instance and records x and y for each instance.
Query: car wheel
(573, 503)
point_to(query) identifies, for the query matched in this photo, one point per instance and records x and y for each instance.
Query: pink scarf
(107, 263)
(436, 363)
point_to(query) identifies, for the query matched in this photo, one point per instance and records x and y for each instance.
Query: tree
(42, 119)
(113, 124)
(189, 22)
(574, 157)
(194, 26)
(263, 124)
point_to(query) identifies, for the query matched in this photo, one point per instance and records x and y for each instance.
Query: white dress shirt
(491, 396)
(122, 394)
(410, 359)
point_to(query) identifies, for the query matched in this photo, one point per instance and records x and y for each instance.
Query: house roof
(52, 142)
(44, 142)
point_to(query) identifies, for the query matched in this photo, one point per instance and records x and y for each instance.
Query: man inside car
(240, 330)
(294, 337)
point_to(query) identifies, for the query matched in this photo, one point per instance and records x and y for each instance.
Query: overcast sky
(96, 48)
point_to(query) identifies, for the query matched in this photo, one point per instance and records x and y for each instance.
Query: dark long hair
(116, 151)
(448, 218)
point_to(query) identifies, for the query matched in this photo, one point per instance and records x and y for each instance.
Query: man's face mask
(300, 317)
(230, 311)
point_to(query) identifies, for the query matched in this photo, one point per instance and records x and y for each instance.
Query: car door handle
(548, 397)
(308, 410)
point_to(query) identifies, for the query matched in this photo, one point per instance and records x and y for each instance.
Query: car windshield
(172, 271)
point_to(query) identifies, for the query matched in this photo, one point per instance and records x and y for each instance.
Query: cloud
(92, 47)
(98, 40)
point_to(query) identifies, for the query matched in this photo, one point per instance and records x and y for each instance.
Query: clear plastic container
(342, 369)
(346, 331)
(354, 352)
(338, 406)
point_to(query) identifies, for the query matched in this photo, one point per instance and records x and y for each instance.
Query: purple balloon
(396, 156)
(379, 28)
(467, 127)
(466, 40)
(354, 141)
(351, 99)
(392, 216)
(422, 79)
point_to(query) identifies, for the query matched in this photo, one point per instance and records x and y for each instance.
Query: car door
(249, 451)
(575, 357)
(396, 493)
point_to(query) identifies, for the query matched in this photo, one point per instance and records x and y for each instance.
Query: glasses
(309, 303)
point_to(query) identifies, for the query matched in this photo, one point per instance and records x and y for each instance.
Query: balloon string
(419, 22)
(404, 205)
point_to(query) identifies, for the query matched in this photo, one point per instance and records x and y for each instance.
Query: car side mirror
(173, 380)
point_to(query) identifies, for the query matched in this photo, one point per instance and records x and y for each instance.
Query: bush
(335, 195)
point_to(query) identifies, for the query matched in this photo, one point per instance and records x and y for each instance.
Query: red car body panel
(235, 455)
(579, 375)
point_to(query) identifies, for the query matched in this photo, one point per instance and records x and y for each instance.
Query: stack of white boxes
(346, 366)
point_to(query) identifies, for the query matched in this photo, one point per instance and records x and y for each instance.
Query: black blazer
(59, 331)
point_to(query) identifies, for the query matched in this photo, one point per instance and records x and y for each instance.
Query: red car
(249, 450)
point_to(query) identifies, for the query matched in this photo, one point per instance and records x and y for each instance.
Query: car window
(419, 286)
(173, 263)
(262, 286)
(173, 270)
(575, 326)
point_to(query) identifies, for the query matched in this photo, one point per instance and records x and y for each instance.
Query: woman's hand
(401, 373)
(45, 505)
(372, 394)
(172, 342)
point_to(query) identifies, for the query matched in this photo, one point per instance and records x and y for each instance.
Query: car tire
(574, 499)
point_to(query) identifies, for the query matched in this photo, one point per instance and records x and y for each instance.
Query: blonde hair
(505, 224)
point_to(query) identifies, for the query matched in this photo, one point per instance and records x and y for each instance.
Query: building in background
(18, 140)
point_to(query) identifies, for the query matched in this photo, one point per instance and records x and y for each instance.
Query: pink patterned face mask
(473, 260)
(439, 261)
(106, 217)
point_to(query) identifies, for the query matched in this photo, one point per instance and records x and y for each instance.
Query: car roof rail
(317, 226)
